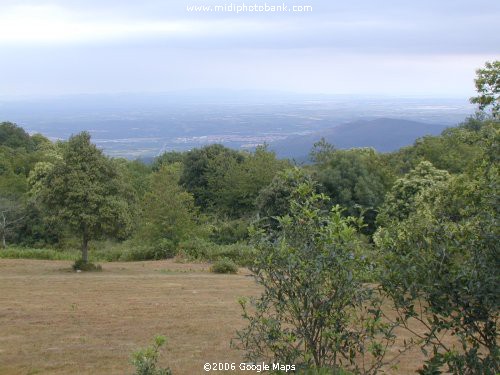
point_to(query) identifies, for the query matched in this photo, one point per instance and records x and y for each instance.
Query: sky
(369, 47)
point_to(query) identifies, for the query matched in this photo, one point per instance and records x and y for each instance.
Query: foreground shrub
(314, 311)
(146, 360)
(81, 265)
(441, 270)
(224, 266)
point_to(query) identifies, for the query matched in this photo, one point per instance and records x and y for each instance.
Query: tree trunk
(85, 247)
(3, 226)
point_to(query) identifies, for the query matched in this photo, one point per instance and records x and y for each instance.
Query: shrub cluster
(224, 266)
(199, 249)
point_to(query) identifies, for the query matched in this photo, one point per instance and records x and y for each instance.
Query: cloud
(384, 26)
(342, 46)
(54, 24)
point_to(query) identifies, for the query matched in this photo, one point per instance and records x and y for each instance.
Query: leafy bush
(224, 266)
(113, 254)
(131, 250)
(146, 360)
(196, 248)
(199, 249)
(109, 251)
(164, 249)
(161, 249)
(230, 231)
(81, 265)
(441, 267)
(315, 310)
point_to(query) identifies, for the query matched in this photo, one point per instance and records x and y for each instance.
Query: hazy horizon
(146, 125)
(223, 94)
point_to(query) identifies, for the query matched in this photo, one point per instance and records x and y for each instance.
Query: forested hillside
(211, 194)
(383, 134)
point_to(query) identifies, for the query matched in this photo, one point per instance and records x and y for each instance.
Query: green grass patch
(196, 249)
(45, 254)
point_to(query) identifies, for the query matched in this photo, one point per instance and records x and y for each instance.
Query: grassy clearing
(56, 321)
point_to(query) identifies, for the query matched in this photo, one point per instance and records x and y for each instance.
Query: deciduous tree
(85, 191)
(488, 87)
(441, 266)
(169, 213)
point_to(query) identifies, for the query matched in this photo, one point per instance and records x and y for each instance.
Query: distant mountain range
(383, 134)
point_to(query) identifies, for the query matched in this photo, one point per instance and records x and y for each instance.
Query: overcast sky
(388, 47)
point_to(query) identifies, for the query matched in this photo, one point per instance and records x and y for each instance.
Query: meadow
(56, 321)
(53, 320)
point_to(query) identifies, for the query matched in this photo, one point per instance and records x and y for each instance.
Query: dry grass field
(55, 321)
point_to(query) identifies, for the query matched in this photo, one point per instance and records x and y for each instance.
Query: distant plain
(144, 126)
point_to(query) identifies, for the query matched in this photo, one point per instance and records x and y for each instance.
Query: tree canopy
(169, 211)
(85, 191)
(200, 166)
(443, 255)
(488, 87)
(14, 136)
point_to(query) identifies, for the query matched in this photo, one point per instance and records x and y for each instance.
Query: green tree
(169, 212)
(356, 179)
(441, 265)
(488, 87)
(352, 177)
(168, 157)
(201, 166)
(137, 174)
(400, 200)
(19, 155)
(273, 201)
(11, 214)
(314, 310)
(237, 186)
(14, 136)
(85, 191)
(13, 186)
(454, 150)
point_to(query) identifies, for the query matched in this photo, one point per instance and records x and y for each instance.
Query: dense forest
(68, 194)
(57, 194)
(421, 223)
